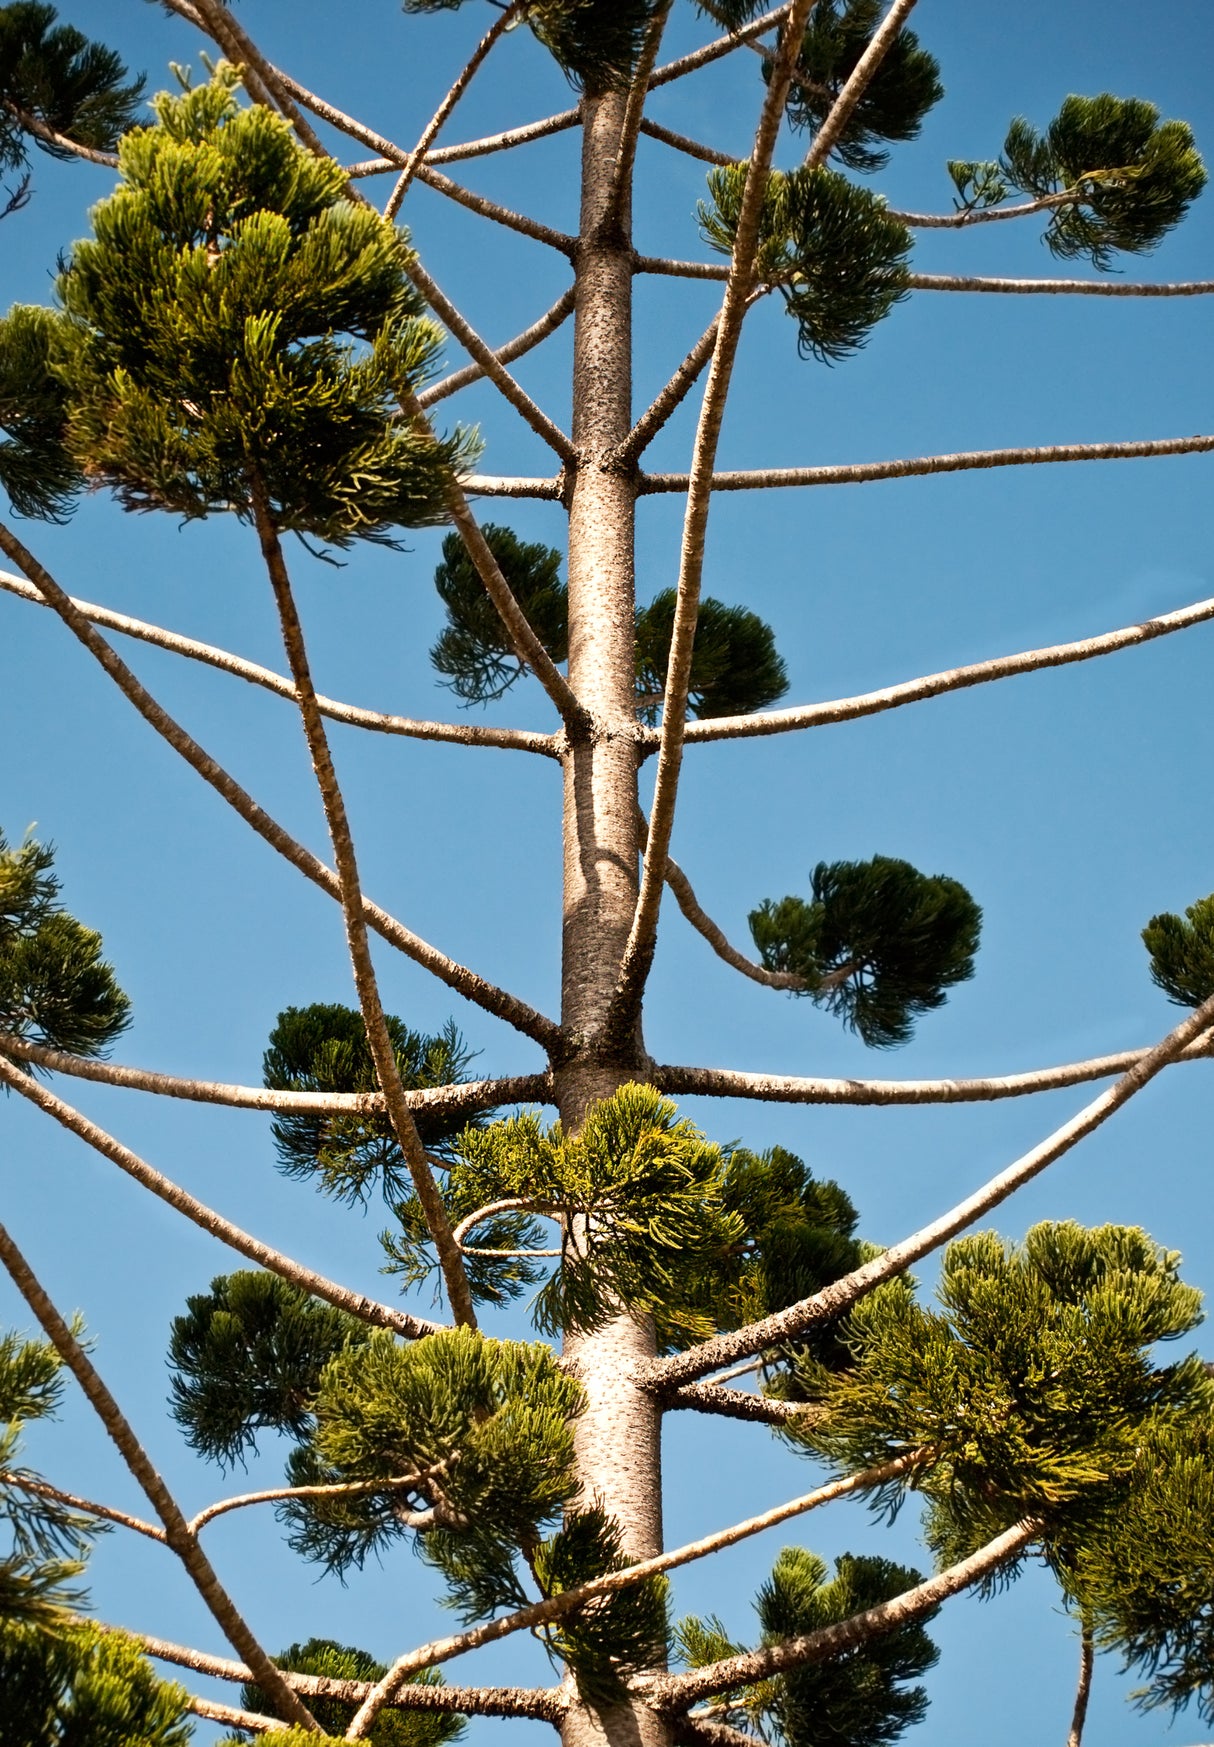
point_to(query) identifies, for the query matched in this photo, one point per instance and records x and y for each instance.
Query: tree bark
(618, 1437)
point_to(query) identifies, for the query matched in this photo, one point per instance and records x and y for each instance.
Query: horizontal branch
(950, 679)
(736, 1404)
(459, 733)
(87, 1506)
(1065, 287)
(789, 1089)
(835, 1300)
(530, 337)
(353, 1303)
(678, 1691)
(863, 472)
(468, 1096)
(956, 221)
(549, 1704)
(253, 1721)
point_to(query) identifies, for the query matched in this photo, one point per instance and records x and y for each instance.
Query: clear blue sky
(1073, 804)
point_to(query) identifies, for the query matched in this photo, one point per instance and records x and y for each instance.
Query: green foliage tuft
(1134, 176)
(1182, 953)
(51, 73)
(833, 252)
(878, 944)
(902, 90)
(323, 1048)
(234, 317)
(248, 1356)
(474, 651)
(45, 1540)
(334, 1661)
(613, 1635)
(38, 475)
(55, 987)
(84, 1688)
(735, 666)
(595, 42)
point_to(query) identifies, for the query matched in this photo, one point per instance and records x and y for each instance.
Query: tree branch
(497, 485)
(1080, 287)
(634, 112)
(459, 733)
(215, 1712)
(558, 1606)
(466, 982)
(722, 45)
(176, 1530)
(1083, 1691)
(105, 1512)
(531, 337)
(638, 952)
(686, 899)
(675, 1692)
(379, 1040)
(985, 215)
(862, 472)
(737, 1404)
(681, 143)
(833, 1300)
(672, 396)
(951, 679)
(343, 1489)
(31, 124)
(353, 1303)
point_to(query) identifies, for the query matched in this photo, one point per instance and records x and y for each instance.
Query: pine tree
(243, 333)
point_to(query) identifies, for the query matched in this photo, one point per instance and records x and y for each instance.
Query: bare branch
(176, 1531)
(634, 111)
(558, 1606)
(833, 1300)
(680, 885)
(737, 1404)
(1072, 287)
(511, 1204)
(32, 124)
(353, 1303)
(262, 80)
(672, 396)
(781, 1089)
(231, 1714)
(985, 215)
(508, 16)
(343, 1489)
(548, 323)
(677, 1691)
(950, 679)
(863, 472)
(681, 143)
(858, 81)
(1083, 1690)
(104, 1512)
(638, 952)
(459, 733)
(456, 976)
(379, 1040)
(490, 364)
(713, 51)
(497, 485)
(462, 1096)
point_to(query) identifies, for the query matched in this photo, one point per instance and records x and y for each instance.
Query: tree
(243, 335)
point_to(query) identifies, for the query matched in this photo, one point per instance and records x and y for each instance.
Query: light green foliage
(84, 1688)
(831, 249)
(248, 1356)
(55, 987)
(979, 183)
(735, 666)
(323, 1048)
(614, 1634)
(54, 74)
(36, 472)
(344, 1662)
(234, 317)
(595, 42)
(878, 944)
(496, 1414)
(1033, 1386)
(892, 107)
(474, 651)
(1135, 176)
(1182, 953)
(860, 1699)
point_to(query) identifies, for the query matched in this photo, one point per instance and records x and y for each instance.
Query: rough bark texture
(619, 1435)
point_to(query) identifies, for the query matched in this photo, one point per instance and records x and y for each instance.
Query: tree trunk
(619, 1436)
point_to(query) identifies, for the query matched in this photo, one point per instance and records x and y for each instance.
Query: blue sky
(1073, 804)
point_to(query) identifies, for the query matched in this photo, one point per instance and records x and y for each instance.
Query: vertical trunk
(618, 1437)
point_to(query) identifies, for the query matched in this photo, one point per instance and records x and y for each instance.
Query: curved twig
(343, 1489)
(353, 1303)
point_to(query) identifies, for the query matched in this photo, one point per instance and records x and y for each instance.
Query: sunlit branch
(531, 337)
(1083, 1689)
(680, 142)
(87, 1507)
(736, 1404)
(490, 364)
(42, 131)
(722, 45)
(1061, 287)
(951, 679)
(671, 397)
(506, 18)
(863, 472)
(790, 1089)
(634, 112)
(353, 1303)
(638, 951)
(343, 1489)
(456, 976)
(176, 1531)
(987, 214)
(688, 903)
(215, 1712)
(238, 45)
(366, 983)
(505, 485)
(463, 1096)
(677, 1691)
(568, 1601)
(833, 1300)
(351, 715)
